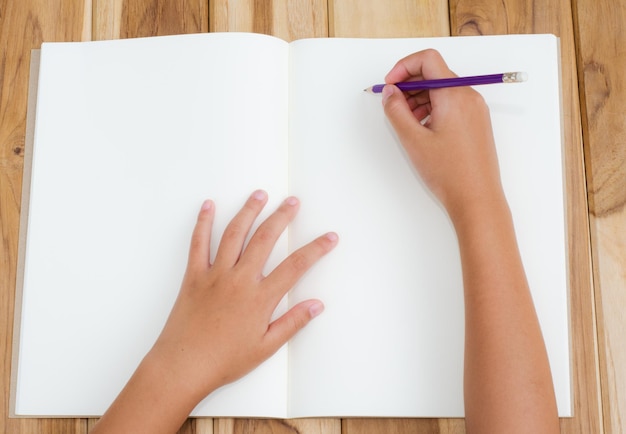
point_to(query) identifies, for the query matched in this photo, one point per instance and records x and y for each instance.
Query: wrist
(172, 369)
(480, 213)
(154, 400)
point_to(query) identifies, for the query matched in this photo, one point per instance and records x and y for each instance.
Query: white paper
(130, 139)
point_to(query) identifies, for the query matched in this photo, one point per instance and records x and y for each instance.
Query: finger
(421, 113)
(237, 230)
(400, 115)
(419, 104)
(285, 327)
(288, 272)
(426, 64)
(200, 249)
(419, 99)
(265, 237)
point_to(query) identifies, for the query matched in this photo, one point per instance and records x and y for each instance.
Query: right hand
(453, 149)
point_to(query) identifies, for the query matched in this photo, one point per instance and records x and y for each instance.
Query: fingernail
(292, 201)
(207, 205)
(315, 309)
(331, 236)
(387, 92)
(259, 195)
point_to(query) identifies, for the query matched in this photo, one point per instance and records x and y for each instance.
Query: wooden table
(593, 39)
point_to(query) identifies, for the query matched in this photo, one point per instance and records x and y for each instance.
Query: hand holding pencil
(446, 133)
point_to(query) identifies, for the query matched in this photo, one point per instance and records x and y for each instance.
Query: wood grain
(288, 20)
(602, 61)
(163, 17)
(231, 16)
(23, 26)
(402, 426)
(106, 19)
(300, 19)
(546, 16)
(378, 19)
(610, 245)
(273, 426)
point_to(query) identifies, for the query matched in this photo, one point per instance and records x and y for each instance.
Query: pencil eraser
(514, 77)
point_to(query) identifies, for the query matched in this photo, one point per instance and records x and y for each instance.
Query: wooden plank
(23, 26)
(276, 426)
(545, 16)
(407, 18)
(114, 19)
(602, 60)
(378, 19)
(609, 245)
(106, 19)
(403, 426)
(163, 17)
(289, 20)
(234, 16)
(300, 19)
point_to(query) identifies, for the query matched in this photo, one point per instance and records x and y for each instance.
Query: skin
(507, 380)
(220, 327)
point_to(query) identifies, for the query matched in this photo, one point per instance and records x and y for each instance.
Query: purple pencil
(507, 77)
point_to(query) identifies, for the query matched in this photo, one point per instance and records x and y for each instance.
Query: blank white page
(390, 342)
(131, 137)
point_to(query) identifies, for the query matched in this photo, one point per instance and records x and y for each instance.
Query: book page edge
(19, 281)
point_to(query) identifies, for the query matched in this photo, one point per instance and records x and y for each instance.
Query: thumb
(399, 113)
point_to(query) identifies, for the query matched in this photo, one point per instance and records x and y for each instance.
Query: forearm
(153, 401)
(508, 384)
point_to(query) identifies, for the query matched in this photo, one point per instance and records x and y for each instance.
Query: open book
(131, 136)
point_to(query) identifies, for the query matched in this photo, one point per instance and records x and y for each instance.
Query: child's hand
(220, 327)
(453, 150)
